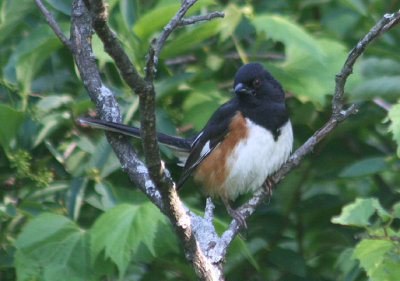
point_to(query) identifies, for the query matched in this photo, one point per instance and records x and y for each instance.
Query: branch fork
(202, 246)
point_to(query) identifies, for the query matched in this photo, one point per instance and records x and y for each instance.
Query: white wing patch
(205, 150)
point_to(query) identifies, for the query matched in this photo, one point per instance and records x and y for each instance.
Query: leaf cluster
(69, 213)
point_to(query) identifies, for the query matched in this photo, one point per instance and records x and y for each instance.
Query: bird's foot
(235, 214)
(268, 185)
(239, 217)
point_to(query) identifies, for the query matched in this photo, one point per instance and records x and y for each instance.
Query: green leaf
(377, 67)
(63, 6)
(394, 127)
(233, 16)
(356, 5)
(159, 16)
(288, 260)
(190, 39)
(122, 230)
(359, 212)
(396, 210)
(53, 101)
(12, 15)
(30, 55)
(75, 196)
(281, 29)
(10, 120)
(51, 247)
(201, 103)
(371, 253)
(365, 167)
(307, 77)
(381, 86)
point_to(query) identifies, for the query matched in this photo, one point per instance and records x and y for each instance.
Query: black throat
(266, 113)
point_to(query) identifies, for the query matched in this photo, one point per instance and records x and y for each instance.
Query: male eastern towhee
(246, 139)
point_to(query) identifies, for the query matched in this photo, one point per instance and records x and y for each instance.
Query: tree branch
(53, 24)
(338, 115)
(106, 104)
(203, 247)
(99, 16)
(194, 19)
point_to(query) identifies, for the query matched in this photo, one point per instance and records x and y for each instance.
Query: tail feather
(180, 146)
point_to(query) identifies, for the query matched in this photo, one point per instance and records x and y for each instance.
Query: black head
(254, 80)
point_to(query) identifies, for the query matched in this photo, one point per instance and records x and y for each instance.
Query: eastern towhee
(245, 140)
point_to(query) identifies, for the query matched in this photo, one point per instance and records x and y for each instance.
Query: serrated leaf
(10, 120)
(359, 212)
(51, 247)
(394, 127)
(307, 77)
(281, 29)
(121, 230)
(371, 254)
(364, 167)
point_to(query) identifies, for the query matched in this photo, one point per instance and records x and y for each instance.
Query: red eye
(256, 82)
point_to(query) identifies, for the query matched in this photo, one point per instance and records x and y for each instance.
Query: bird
(245, 140)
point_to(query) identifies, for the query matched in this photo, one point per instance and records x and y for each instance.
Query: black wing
(208, 139)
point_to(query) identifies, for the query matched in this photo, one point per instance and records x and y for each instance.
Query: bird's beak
(241, 89)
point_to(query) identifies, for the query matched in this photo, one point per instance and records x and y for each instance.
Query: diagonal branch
(338, 115)
(194, 19)
(53, 24)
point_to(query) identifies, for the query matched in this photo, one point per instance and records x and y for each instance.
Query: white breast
(254, 159)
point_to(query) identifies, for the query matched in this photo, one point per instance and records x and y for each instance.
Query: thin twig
(338, 115)
(99, 16)
(53, 24)
(379, 237)
(194, 19)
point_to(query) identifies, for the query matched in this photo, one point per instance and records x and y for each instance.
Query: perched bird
(245, 140)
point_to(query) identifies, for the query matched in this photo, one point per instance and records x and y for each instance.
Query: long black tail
(175, 143)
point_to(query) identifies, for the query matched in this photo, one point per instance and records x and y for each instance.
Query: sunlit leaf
(371, 253)
(394, 127)
(281, 29)
(123, 229)
(359, 212)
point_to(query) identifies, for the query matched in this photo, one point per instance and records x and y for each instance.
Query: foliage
(67, 210)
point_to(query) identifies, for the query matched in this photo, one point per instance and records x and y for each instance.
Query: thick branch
(105, 101)
(99, 16)
(53, 24)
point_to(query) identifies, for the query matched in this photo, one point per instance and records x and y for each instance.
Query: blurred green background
(67, 210)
